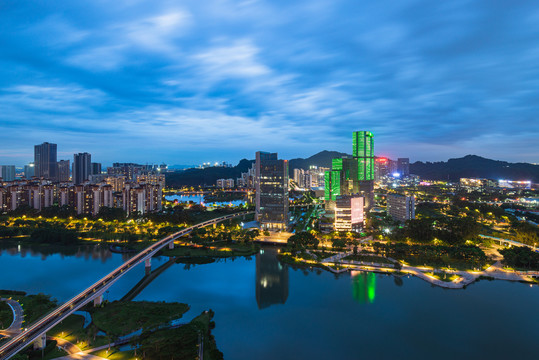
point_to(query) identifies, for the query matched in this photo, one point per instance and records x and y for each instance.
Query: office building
(401, 207)
(29, 171)
(403, 166)
(271, 182)
(82, 168)
(7, 172)
(45, 158)
(349, 213)
(63, 170)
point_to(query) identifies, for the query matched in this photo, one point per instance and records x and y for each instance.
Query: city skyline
(178, 83)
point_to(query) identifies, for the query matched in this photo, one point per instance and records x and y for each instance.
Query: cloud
(221, 79)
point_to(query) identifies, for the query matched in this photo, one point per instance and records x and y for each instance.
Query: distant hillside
(208, 176)
(322, 159)
(475, 166)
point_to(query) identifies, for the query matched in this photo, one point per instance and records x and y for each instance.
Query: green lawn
(6, 315)
(121, 318)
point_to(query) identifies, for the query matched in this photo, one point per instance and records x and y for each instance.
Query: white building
(401, 207)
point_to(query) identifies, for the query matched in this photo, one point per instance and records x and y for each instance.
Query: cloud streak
(218, 80)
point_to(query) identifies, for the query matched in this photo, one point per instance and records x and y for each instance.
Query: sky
(185, 82)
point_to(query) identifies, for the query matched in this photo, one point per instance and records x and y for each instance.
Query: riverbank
(445, 277)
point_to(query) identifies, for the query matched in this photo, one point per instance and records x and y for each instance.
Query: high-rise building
(63, 171)
(271, 182)
(349, 213)
(403, 166)
(7, 172)
(349, 176)
(381, 168)
(401, 207)
(82, 167)
(29, 170)
(45, 157)
(363, 151)
(96, 168)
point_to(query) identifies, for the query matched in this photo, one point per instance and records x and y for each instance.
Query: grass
(368, 258)
(121, 318)
(72, 329)
(115, 354)
(34, 306)
(181, 343)
(6, 315)
(55, 353)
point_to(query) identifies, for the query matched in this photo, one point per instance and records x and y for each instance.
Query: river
(267, 310)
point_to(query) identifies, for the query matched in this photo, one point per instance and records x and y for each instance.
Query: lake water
(266, 310)
(198, 199)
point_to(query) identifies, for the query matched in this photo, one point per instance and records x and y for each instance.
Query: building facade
(401, 207)
(271, 182)
(349, 215)
(82, 168)
(45, 159)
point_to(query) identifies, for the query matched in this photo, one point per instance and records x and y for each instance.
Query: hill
(475, 166)
(207, 176)
(322, 159)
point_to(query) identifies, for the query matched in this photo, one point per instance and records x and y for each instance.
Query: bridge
(37, 331)
(507, 242)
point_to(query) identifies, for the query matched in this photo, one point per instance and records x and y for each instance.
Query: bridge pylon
(171, 245)
(40, 342)
(148, 266)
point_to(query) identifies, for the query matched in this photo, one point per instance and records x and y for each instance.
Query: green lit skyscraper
(363, 151)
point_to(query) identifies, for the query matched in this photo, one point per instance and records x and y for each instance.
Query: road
(47, 322)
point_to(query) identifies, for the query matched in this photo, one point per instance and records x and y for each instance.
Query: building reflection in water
(364, 287)
(271, 279)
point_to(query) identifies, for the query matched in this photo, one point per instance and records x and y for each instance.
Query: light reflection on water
(267, 310)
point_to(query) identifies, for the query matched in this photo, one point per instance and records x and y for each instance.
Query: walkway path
(18, 317)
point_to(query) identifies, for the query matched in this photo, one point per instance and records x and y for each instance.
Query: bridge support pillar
(171, 245)
(98, 300)
(148, 266)
(40, 342)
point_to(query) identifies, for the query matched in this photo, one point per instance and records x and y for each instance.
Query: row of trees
(432, 254)
(521, 257)
(452, 231)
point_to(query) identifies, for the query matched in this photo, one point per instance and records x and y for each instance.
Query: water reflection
(271, 279)
(364, 287)
(86, 252)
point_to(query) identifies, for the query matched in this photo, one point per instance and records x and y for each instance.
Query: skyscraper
(363, 151)
(45, 156)
(349, 176)
(96, 168)
(63, 170)
(403, 166)
(7, 172)
(29, 170)
(271, 181)
(82, 167)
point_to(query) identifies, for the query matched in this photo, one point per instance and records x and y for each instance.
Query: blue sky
(184, 82)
